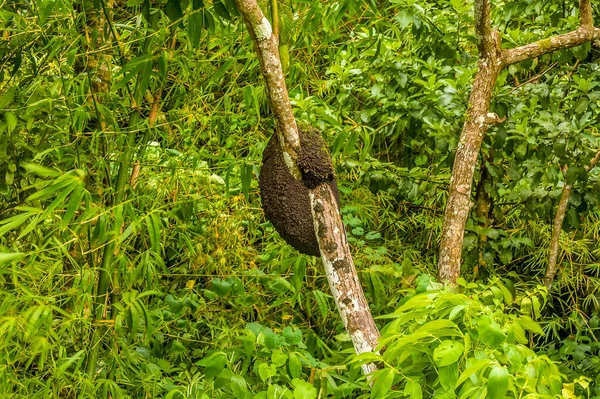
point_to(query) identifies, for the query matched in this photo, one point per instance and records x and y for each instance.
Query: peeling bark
(491, 61)
(341, 273)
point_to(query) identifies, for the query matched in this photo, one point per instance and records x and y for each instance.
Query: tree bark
(482, 210)
(341, 273)
(491, 61)
(266, 44)
(474, 129)
(335, 253)
(559, 217)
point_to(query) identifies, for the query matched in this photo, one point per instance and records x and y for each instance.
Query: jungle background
(131, 139)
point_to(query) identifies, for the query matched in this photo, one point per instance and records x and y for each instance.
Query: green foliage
(204, 300)
(447, 344)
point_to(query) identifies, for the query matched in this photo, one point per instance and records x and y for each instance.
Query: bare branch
(483, 26)
(585, 13)
(545, 46)
(559, 217)
(593, 162)
(268, 56)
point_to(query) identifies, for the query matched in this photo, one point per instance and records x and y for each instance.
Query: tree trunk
(561, 211)
(476, 124)
(491, 61)
(482, 210)
(335, 253)
(341, 273)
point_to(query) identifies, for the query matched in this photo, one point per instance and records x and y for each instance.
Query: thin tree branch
(559, 218)
(585, 33)
(483, 26)
(575, 38)
(585, 14)
(266, 44)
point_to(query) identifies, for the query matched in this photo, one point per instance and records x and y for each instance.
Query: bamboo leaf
(14, 222)
(40, 170)
(73, 204)
(9, 257)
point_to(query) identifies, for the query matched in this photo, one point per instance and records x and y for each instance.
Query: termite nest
(285, 200)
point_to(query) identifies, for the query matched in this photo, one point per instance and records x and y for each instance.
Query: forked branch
(491, 61)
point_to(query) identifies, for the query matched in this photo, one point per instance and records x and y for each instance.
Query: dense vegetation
(131, 138)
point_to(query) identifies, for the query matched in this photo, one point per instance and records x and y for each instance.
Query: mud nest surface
(285, 200)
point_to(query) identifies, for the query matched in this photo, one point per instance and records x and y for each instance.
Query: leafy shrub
(445, 344)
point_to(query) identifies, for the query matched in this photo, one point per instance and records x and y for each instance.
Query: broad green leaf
(232, 8)
(213, 364)
(238, 386)
(447, 352)
(221, 287)
(303, 389)
(573, 173)
(413, 390)
(194, 28)
(497, 383)
(221, 10)
(294, 365)
(11, 120)
(489, 331)
(448, 375)
(292, 336)
(472, 370)
(173, 11)
(528, 324)
(278, 358)
(383, 382)
(266, 371)
(209, 21)
(7, 97)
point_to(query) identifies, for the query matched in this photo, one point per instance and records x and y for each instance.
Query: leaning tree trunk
(331, 236)
(559, 217)
(492, 59)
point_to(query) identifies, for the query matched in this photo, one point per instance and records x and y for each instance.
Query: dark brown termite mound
(285, 200)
